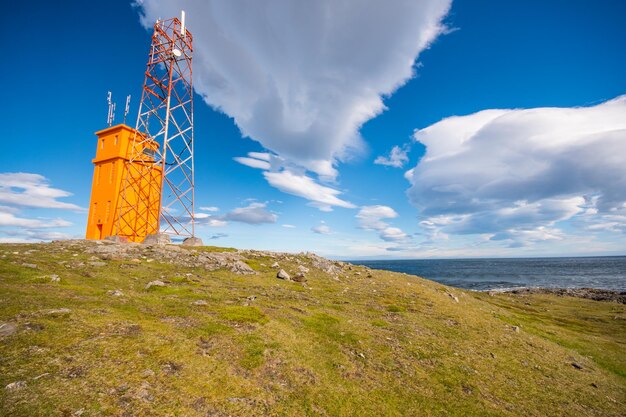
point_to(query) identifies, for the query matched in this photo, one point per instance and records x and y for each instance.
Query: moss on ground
(352, 343)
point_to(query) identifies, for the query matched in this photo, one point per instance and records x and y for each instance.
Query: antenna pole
(182, 23)
(111, 113)
(127, 108)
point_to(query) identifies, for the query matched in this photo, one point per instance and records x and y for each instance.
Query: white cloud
(253, 163)
(215, 223)
(392, 234)
(254, 213)
(11, 220)
(371, 218)
(289, 226)
(303, 186)
(301, 77)
(397, 157)
(22, 192)
(321, 229)
(515, 174)
(291, 180)
(210, 209)
(32, 190)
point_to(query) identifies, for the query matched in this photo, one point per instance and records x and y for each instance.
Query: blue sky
(534, 165)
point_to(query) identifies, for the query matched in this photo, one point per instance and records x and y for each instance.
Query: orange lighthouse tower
(114, 150)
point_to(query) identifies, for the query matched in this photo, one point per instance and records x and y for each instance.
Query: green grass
(243, 314)
(385, 345)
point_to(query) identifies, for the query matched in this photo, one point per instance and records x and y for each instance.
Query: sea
(606, 272)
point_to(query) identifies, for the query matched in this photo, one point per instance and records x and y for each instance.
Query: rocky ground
(589, 293)
(97, 328)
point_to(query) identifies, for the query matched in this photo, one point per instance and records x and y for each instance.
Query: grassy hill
(82, 333)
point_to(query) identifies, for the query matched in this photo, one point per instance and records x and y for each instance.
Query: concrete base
(157, 239)
(193, 241)
(116, 239)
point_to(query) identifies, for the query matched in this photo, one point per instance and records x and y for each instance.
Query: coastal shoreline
(595, 294)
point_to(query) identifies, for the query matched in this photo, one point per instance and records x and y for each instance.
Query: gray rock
(157, 239)
(96, 264)
(300, 277)
(242, 268)
(193, 241)
(516, 328)
(303, 269)
(155, 283)
(55, 278)
(275, 265)
(33, 266)
(283, 275)
(143, 393)
(58, 312)
(15, 385)
(7, 329)
(199, 303)
(116, 239)
(115, 293)
(454, 297)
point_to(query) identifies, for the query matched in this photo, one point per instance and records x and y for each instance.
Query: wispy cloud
(321, 229)
(397, 157)
(288, 179)
(371, 218)
(32, 190)
(23, 193)
(254, 213)
(210, 209)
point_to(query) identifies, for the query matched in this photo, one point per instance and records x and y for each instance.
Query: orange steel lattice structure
(166, 118)
(114, 149)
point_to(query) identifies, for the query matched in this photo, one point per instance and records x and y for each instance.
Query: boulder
(193, 241)
(116, 239)
(242, 268)
(275, 265)
(283, 275)
(300, 277)
(155, 283)
(15, 385)
(454, 297)
(157, 239)
(7, 329)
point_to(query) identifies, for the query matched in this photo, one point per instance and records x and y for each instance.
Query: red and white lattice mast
(157, 192)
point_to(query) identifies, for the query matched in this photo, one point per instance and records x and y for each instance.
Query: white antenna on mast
(127, 107)
(111, 114)
(182, 23)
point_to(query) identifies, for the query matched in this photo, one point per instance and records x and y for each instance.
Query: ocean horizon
(481, 274)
